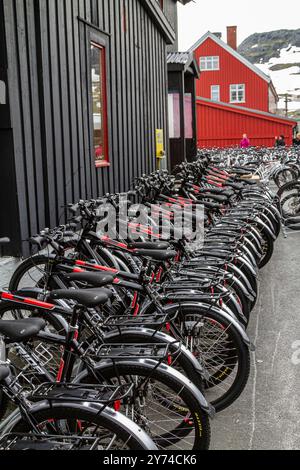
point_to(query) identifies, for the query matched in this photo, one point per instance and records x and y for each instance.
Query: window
(174, 115)
(209, 63)
(237, 93)
(98, 75)
(215, 92)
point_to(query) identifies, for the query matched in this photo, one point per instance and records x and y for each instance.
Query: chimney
(232, 37)
(218, 35)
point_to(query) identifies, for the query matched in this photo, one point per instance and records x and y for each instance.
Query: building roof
(220, 104)
(232, 52)
(185, 60)
(180, 57)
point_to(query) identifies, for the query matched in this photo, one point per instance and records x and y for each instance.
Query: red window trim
(106, 162)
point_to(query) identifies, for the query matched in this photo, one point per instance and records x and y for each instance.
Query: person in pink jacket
(245, 142)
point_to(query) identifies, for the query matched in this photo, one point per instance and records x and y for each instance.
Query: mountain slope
(277, 53)
(261, 47)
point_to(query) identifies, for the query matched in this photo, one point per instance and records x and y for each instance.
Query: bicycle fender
(262, 224)
(175, 307)
(161, 337)
(151, 364)
(16, 417)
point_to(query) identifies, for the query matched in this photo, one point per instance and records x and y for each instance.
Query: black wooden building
(183, 71)
(83, 88)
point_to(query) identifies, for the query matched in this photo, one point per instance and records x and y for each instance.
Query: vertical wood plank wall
(48, 76)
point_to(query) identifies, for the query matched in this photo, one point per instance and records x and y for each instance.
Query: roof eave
(221, 104)
(155, 12)
(189, 66)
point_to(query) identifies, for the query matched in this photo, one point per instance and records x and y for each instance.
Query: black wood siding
(49, 88)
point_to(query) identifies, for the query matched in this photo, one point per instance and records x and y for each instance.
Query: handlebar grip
(71, 226)
(38, 241)
(74, 208)
(68, 234)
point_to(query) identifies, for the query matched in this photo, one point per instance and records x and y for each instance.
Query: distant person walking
(280, 141)
(245, 142)
(296, 141)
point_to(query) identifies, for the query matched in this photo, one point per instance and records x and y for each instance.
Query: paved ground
(267, 416)
(7, 267)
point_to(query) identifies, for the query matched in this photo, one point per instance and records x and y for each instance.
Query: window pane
(188, 116)
(174, 115)
(216, 63)
(215, 92)
(99, 111)
(232, 93)
(237, 93)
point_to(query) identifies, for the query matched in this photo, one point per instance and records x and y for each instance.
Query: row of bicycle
(136, 341)
(279, 167)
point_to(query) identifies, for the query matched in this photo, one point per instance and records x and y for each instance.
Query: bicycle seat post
(65, 371)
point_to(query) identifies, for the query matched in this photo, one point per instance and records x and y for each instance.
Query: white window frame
(209, 63)
(215, 89)
(235, 90)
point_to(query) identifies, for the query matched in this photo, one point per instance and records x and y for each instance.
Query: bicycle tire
(80, 413)
(189, 405)
(243, 354)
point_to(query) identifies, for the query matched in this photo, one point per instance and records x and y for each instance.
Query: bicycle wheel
(34, 272)
(284, 176)
(162, 402)
(267, 248)
(93, 430)
(288, 187)
(47, 356)
(219, 347)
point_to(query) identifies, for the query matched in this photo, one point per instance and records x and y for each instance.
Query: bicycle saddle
(4, 373)
(215, 197)
(87, 297)
(219, 191)
(4, 241)
(236, 186)
(21, 330)
(156, 255)
(250, 182)
(94, 279)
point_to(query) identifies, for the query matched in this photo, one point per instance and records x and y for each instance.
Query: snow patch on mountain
(285, 74)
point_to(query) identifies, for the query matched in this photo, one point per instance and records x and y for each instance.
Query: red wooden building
(234, 97)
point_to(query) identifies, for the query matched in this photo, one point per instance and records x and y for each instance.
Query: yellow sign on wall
(160, 150)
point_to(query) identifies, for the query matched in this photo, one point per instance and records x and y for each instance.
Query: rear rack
(104, 394)
(156, 351)
(15, 442)
(140, 320)
(198, 295)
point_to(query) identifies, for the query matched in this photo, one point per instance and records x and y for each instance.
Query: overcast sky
(251, 16)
